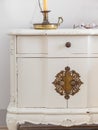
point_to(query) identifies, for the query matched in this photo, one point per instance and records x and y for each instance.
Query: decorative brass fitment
(46, 24)
(67, 82)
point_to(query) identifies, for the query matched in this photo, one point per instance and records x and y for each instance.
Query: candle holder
(46, 24)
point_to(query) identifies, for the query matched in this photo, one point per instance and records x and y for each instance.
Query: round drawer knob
(68, 44)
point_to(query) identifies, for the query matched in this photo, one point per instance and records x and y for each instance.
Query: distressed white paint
(21, 14)
(34, 67)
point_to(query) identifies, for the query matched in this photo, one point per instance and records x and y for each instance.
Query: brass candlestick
(46, 24)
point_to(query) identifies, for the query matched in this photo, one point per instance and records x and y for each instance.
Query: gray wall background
(21, 14)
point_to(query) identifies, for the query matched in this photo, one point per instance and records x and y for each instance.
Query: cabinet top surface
(54, 32)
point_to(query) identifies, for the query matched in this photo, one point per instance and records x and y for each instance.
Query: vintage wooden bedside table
(54, 78)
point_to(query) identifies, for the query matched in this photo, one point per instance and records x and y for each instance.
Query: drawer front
(93, 44)
(68, 46)
(31, 44)
(58, 46)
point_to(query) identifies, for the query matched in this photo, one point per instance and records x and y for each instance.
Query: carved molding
(67, 82)
(12, 45)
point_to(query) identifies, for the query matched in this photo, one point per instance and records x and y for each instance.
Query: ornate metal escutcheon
(67, 82)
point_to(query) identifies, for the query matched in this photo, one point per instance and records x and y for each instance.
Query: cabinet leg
(11, 122)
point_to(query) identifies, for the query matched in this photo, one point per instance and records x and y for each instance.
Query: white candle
(44, 5)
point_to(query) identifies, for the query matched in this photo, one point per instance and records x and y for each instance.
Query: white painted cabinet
(40, 61)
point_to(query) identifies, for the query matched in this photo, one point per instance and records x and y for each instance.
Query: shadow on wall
(2, 117)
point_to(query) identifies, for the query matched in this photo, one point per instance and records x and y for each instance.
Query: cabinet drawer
(31, 44)
(68, 46)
